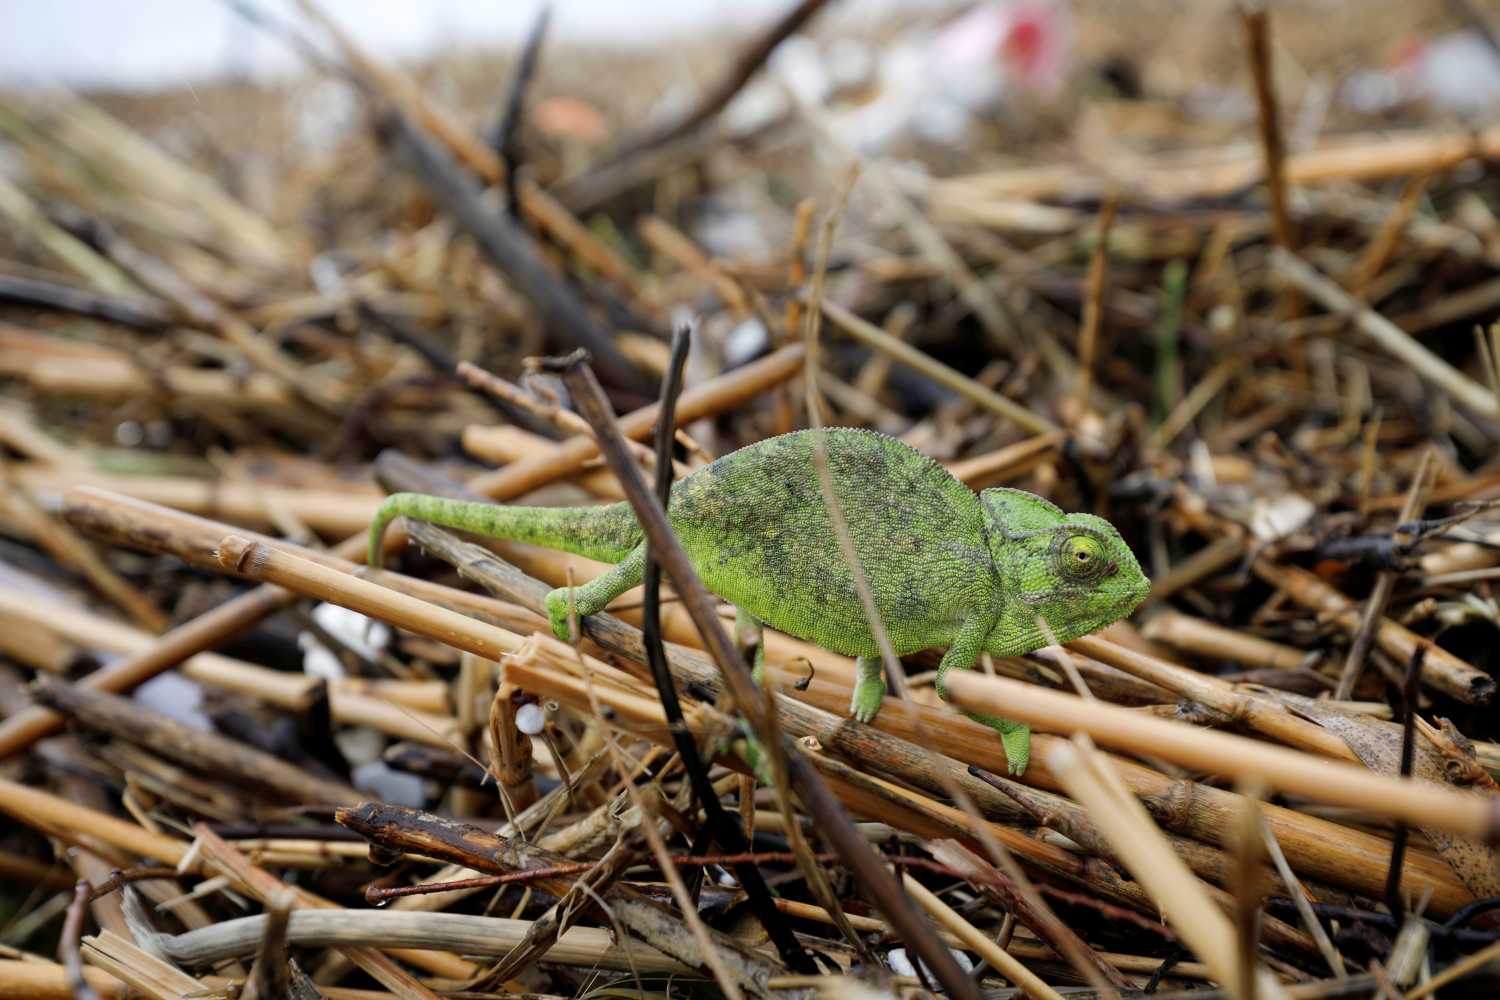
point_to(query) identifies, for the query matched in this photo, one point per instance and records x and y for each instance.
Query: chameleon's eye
(1082, 557)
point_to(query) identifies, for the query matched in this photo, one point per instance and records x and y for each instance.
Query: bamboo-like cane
(1419, 803)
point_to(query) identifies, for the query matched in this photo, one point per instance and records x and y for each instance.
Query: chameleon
(977, 573)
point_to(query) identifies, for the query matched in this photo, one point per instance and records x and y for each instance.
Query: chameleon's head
(1072, 570)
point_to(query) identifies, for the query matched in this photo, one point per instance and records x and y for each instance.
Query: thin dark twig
(140, 313)
(1469, 911)
(829, 814)
(1457, 936)
(119, 878)
(718, 96)
(1409, 690)
(70, 945)
(720, 823)
(1380, 595)
(506, 140)
(656, 652)
(1165, 967)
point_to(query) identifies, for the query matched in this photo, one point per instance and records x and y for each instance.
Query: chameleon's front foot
(869, 689)
(557, 614)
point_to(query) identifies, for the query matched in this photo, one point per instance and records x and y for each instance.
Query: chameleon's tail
(604, 533)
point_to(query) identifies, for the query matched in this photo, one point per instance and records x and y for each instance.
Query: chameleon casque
(946, 567)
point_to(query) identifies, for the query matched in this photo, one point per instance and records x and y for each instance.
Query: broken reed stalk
(60, 541)
(232, 617)
(1093, 307)
(834, 822)
(1124, 821)
(1385, 583)
(1261, 714)
(1249, 888)
(1258, 33)
(1205, 750)
(34, 978)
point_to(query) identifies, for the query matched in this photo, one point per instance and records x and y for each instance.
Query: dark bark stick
(207, 752)
(141, 314)
(510, 250)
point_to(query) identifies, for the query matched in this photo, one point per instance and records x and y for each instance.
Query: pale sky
(141, 44)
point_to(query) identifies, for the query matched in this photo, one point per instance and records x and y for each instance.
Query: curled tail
(604, 533)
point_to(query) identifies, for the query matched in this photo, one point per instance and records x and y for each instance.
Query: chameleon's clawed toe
(868, 696)
(1017, 743)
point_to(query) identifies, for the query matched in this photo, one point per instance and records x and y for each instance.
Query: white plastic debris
(935, 83)
(745, 342)
(1457, 73)
(359, 633)
(901, 963)
(327, 110)
(176, 697)
(385, 783)
(1273, 519)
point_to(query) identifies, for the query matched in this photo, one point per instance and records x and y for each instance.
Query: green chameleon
(946, 567)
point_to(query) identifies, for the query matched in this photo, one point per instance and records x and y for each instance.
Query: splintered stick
(1419, 803)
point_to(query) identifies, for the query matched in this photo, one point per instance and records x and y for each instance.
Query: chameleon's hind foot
(869, 689)
(557, 614)
(1016, 738)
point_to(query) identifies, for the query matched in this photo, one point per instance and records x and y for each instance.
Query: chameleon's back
(758, 530)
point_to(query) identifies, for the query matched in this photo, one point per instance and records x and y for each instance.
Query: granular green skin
(946, 567)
